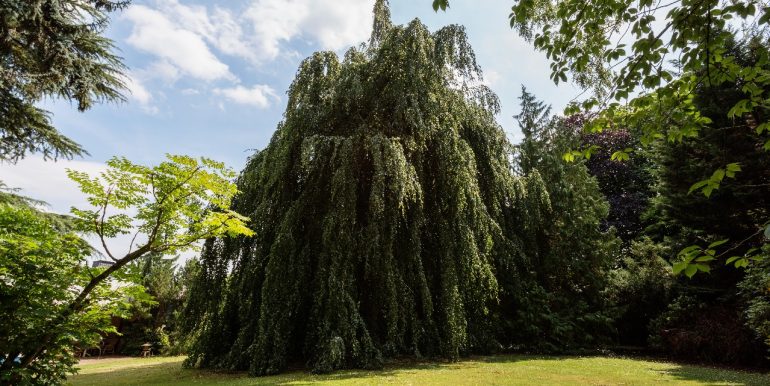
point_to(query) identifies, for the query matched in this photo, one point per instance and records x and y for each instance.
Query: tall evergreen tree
(568, 254)
(52, 48)
(740, 207)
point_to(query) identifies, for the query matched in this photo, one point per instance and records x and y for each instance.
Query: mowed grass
(495, 370)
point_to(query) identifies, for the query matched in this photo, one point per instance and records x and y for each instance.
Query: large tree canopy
(386, 213)
(375, 207)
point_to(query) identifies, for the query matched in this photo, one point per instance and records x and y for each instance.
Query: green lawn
(497, 370)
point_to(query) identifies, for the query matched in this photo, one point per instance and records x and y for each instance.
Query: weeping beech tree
(384, 209)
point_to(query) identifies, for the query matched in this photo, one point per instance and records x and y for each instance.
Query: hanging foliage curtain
(384, 207)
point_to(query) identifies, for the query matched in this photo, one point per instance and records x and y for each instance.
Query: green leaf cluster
(57, 300)
(177, 203)
(42, 270)
(646, 61)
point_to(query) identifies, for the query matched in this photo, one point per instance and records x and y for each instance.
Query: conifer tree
(53, 49)
(561, 304)
(732, 218)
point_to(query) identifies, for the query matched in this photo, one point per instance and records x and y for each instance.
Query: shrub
(639, 290)
(694, 329)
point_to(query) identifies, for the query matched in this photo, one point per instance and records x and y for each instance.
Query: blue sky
(209, 78)
(200, 88)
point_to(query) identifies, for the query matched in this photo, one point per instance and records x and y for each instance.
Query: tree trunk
(78, 304)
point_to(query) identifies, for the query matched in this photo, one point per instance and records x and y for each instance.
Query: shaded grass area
(493, 370)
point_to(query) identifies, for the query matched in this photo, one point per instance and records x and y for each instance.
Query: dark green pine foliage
(740, 207)
(52, 48)
(383, 206)
(738, 211)
(558, 299)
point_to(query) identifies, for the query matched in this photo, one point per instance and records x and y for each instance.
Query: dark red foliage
(627, 185)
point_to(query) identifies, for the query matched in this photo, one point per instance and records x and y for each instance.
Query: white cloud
(156, 33)
(333, 24)
(338, 24)
(491, 78)
(138, 92)
(259, 95)
(218, 27)
(184, 35)
(189, 40)
(273, 22)
(48, 181)
(162, 69)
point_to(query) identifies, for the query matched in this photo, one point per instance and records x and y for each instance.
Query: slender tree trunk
(78, 304)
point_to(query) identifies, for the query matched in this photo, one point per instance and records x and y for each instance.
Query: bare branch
(744, 241)
(131, 246)
(100, 225)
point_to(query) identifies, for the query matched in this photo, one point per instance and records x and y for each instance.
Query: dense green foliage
(388, 221)
(52, 48)
(732, 220)
(154, 324)
(392, 217)
(376, 209)
(690, 82)
(661, 55)
(175, 204)
(709, 317)
(738, 209)
(41, 272)
(13, 197)
(755, 289)
(162, 323)
(558, 302)
(641, 286)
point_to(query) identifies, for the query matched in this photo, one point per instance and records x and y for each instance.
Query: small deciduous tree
(41, 270)
(168, 208)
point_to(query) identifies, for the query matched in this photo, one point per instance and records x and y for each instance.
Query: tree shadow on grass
(716, 376)
(379, 376)
(171, 373)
